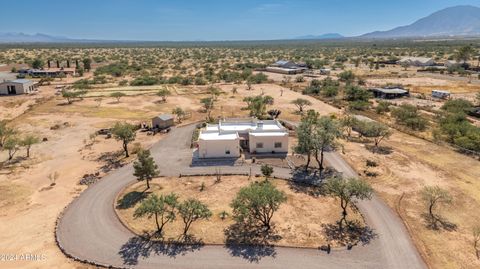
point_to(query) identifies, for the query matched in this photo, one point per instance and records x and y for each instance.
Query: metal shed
(162, 121)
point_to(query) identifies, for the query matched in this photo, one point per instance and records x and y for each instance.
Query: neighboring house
(287, 67)
(18, 86)
(229, 137)
(389, 92)
(450, 63)
(50, 72)
(162, 121)
(417, 61)
(441, 94)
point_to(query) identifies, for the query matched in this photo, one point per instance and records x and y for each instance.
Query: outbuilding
(163, 121)
(18, 86)
(389, 92)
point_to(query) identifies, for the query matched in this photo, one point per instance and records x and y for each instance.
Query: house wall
(218, 148)
(19, 87)
(161, 123)
(268, 144)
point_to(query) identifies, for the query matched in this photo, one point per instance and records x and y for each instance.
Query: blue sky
(212, 19)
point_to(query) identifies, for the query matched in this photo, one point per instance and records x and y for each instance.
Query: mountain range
(457, 21)
(450, 22)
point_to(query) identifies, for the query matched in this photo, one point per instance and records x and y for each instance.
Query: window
(227, 152)
(278, 145)
(259, 145)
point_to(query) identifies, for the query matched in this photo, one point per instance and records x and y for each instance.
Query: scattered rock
(88, 179)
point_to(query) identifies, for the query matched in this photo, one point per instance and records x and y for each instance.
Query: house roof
(391, 90)
(21, 81)
(164, 117)
(217, 136)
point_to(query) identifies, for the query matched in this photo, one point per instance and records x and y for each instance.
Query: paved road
(89, 229)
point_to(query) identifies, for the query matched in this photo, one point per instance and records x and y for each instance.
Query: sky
(205, 20)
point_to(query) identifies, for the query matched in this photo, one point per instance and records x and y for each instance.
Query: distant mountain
(450, 22)
(318, 37)
(26, 38)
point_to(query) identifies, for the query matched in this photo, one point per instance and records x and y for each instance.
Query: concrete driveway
(90, 230)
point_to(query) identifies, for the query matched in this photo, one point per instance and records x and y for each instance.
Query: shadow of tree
(250, 242)
(437, 222)
(310, 183)
(350, 235)
(112, 160)
(130, 199)
(383, 150)
(139, 247)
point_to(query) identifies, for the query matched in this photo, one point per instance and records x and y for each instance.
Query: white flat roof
(217, 136)
(270, 134)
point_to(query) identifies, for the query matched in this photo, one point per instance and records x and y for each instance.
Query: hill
(453, 21)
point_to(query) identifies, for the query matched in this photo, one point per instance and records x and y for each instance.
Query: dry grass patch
(413, 164)
(300, 222)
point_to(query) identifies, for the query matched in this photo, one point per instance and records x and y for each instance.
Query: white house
(18, 86)
(417, 61)
(229, 137)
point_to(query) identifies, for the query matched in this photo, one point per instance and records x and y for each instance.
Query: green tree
(124, 132)
(347, 191)
(117, 95)
(258, 105)
(408, 115)
(301, 103)
(347, 76)
(382, 107)
(464, 54)
(192, 210)
(457, 106)
(145, 167)
(373, 129)
(207, 103)
(87, 64)
(327, 131)
(432, 197)
(348, 122)
(305, 135)
(257, 203)
(162, 208)
(267, 171)
(163, 93)
(28, 141)
(179, 112)
(214, 91)
(38, 63)
(6, 132)
(12, 145)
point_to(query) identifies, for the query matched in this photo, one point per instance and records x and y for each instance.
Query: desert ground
(32, 197)
(300, 222)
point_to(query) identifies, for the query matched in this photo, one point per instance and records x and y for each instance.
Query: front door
(11, 89)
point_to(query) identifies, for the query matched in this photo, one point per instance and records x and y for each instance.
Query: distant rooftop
(165, 117)
(22, 81)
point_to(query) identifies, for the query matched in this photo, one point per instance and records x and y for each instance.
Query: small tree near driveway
(124, 132)
(346, 190)
(257, 203)
(162, 208)
(192, 210)
(145, 167)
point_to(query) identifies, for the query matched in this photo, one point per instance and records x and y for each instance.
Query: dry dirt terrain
(415, 163)
(302, 221)
(30, 205)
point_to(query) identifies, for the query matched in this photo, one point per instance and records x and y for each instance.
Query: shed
(440, 94)
(162, 121)
(389, 93)
(17, 86)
